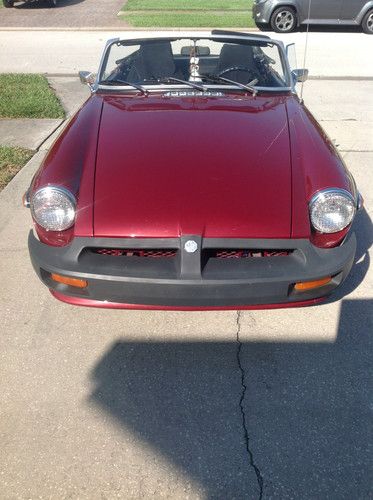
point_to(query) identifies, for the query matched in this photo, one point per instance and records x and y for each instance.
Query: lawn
(188, 13)
(11, 162)
(172, 5)
(205, 20)
(28, 96)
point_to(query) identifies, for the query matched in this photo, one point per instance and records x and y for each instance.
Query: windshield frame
(98, 85)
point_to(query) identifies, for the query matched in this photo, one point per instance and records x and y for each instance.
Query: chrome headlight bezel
(61, 209)
(325, 196)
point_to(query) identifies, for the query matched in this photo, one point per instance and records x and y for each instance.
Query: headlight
(332, 210)
(53, 208)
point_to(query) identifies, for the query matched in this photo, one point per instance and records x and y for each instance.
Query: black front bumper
(192, 279)
(262, 13)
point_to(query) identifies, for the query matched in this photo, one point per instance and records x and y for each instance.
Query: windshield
(207, 61)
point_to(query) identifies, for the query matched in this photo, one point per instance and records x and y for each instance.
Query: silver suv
(285, 16)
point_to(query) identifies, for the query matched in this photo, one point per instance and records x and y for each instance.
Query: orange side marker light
(303, 286)
(76, 282)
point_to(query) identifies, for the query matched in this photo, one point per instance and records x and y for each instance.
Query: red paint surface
(233, 166)
(217, 167)
(78, 301)
(316, 165)
(71, 163)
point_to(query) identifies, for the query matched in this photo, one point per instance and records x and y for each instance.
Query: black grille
(126, 252)
(229, 253)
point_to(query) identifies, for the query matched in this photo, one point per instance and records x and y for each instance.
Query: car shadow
(321, 29)
(331, 29)
(43, 4)
(298, 420)
(363, 228)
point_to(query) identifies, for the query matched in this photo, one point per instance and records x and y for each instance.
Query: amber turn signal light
(310, 285)
(76, 282)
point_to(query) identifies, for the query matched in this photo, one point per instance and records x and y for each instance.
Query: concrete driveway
(67, 14)
(102, 404)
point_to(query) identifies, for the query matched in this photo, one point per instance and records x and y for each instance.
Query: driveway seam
(253, 465)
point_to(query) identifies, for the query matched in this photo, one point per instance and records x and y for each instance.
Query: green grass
(172, 5)
(188, 13)
(28, 96)
(11, 162)
(185, 20)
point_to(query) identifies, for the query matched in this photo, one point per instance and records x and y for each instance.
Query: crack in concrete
(258, 474)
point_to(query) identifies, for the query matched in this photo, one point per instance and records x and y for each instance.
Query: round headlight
(332, 210)
(53, 208)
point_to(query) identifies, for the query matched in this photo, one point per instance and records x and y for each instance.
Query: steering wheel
(237, 68)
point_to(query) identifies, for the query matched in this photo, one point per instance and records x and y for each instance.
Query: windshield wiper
(249, 86)
(124, 82)
(170, 79)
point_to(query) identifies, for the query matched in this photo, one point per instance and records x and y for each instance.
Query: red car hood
(217, 167)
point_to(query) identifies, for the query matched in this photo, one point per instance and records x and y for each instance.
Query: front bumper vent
(126, 252)
(247, 254)
(210, 253)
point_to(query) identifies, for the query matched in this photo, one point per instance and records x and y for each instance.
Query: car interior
(155, 60)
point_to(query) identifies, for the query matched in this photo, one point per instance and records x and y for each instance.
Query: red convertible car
(193, 178)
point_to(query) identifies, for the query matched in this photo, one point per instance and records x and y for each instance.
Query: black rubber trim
(259, 36)
(186, 280)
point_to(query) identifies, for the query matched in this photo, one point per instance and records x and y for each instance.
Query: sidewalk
(39, 133)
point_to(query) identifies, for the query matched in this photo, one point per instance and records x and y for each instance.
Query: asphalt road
(68, 13)
(102, 404)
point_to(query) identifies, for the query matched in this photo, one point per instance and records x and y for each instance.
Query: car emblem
(190, 246)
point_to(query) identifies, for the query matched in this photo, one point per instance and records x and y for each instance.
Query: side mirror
(299, 75)
(87, 77)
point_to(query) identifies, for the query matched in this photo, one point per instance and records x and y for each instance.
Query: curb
(28, 170)
(342, 78)
(311, 77)
(11, 194)
(119, 28)
(34, 162)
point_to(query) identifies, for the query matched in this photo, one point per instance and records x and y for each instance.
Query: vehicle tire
(367, 23)
(8, 3)
(284, 20)
(52, 3)
(263, 26)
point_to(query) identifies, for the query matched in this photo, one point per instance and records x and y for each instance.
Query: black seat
(241, 56)
(154, 60)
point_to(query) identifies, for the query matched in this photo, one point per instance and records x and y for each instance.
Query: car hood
(216, 167)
